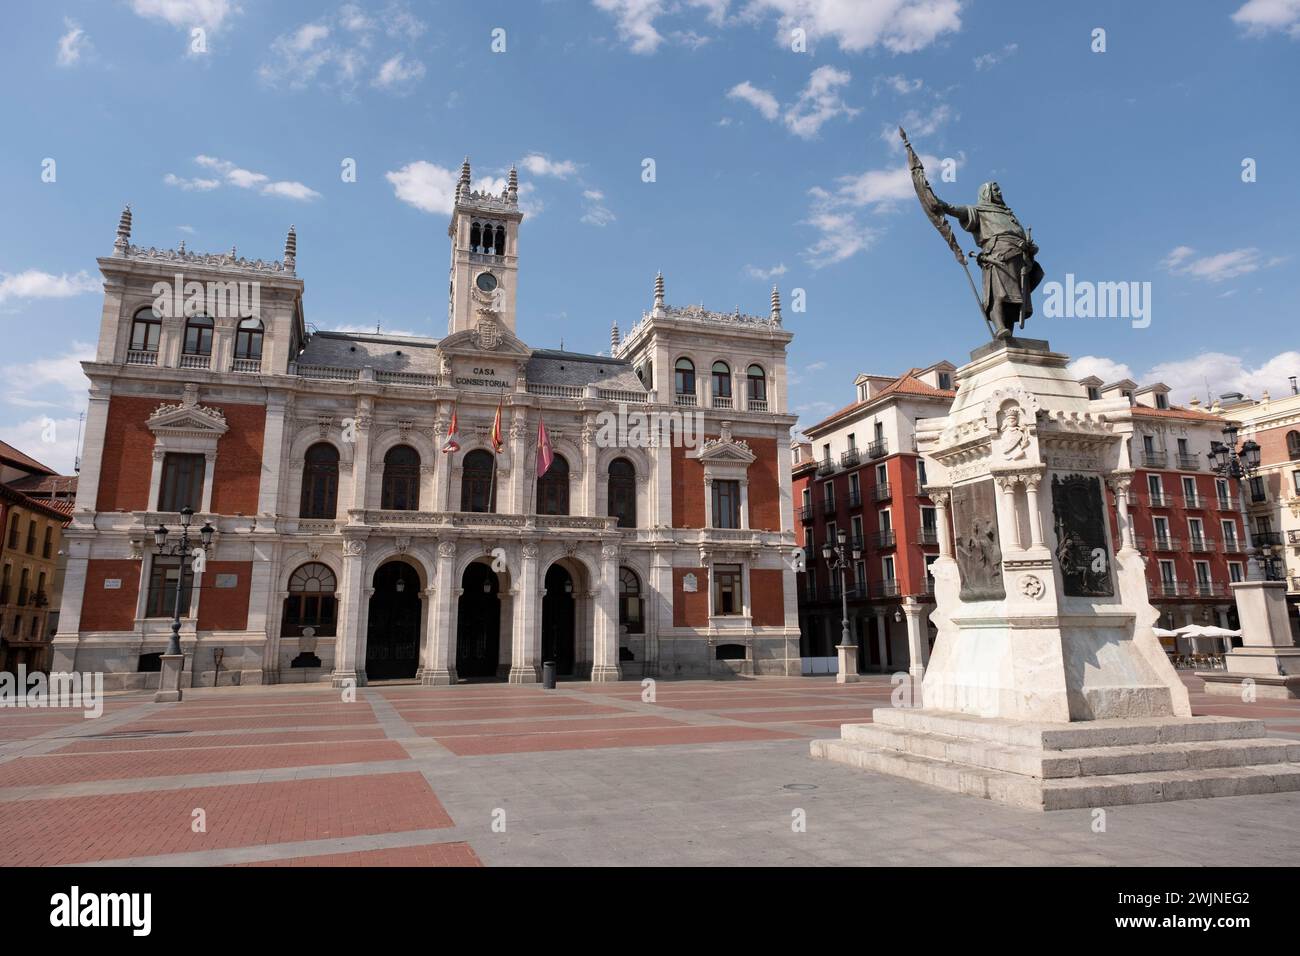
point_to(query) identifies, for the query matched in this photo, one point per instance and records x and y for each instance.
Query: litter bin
(548, 675)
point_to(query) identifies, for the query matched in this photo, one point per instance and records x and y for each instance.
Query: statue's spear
(930, 206)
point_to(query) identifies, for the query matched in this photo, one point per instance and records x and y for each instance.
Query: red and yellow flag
(497, 441)
(451, 444)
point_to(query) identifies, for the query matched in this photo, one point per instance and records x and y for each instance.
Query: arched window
(1293, 445)
(501, 240)
(622, 492)
(146, 328)
(685, 376)
(248, 340)
(13, 531)
(198, 335)
(756, 384)
(553, 489)
(631, 605)
(476, 482)
(475, 237)
(311, 601)
(401, 487)
(320, 482)
(721, 380)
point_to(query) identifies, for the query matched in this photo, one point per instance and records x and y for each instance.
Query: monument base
(1065, 766)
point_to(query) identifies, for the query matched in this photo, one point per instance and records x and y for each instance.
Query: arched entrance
(559, 620)
(393, 636)
(478, 622)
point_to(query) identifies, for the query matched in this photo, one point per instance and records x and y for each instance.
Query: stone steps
(1064, 766)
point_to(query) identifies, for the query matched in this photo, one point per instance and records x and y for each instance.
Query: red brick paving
(152, 823)
(490, 713)
(543, 726)
(781, 716)
(652, 737)
(190, 741)
(79, 768)
(430, 854)
(251, 723)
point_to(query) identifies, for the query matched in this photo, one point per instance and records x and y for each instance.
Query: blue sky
(771, 165)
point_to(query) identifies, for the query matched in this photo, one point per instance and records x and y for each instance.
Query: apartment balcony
(1159, 499)
(1209, 589)
(141, 358)
(1188, 462)
(686, 399)
(828, 506)
(887, 588)
(880, 491)
(878, 449)
(826, 466)
(1172, 589)
(927, 536)
(1266, 539)
(723, 401)
(1226, 504)
(1166, 543)
(40, 599)
(247, 365)
(196, 361)
(806, 514)
(1202, 545)
(855, 543)
(1155, 459)
(809, 554)
(884, 539)
(855, 592)
(850, 459)
(757, 405)
(1232, 545)
(1194, 501)
(855, 498)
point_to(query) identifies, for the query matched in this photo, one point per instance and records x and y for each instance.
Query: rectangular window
(1229, 535)
(1167, 573)
(860, 578)
(31, 536)
(928, 518)
(1234, 571)
(1182, 446)
(1221, 488)
(1154, 487)
(1148, 444)
(1196, 530)
(1189, 487)
(182, 482)
(726, 504)
(1257, 490)
(882, 475)
(855, 486)
(857, 531)
(1295, 481)
(161, 599)
(727, 597)
(920, 472)
(886, 520)
(1203, 574)
(852, 442)
(1162, 528)
(887, 567)
(945, 380)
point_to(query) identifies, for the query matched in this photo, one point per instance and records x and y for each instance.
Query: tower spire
(659, 293)
(614, 339)
(291, 250)
(776, 306)
(123, 239)
(512, 185)
(462, 187)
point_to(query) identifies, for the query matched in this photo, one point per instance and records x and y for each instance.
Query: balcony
(1209, 589)
(880, 491)
(884, 539)
(855, 543)
(686, 399)
(806, 514)
(1232, 545)
(1266, 539)
(809, 554)
(878, 448)
(1159, 499)
(1155, 459)
(1188, 462)
(247, 365)
(887, 588)
(855, 592)
(141, 358)
(828, 506)
(196, 361)
(927, 536)
(826, 466)
(1203, 545)
(1163, 542)
(855, 498)
(1227, 504)
(722, 401)
(757, 405)
(1172, 589)
(1194, 501)
(849, 459)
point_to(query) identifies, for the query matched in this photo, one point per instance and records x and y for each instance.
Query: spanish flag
(497, 441)
(452, 444)
(545, 455)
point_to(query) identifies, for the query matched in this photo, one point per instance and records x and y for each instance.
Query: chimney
(1294, 390)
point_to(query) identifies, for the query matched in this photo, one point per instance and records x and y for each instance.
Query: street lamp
(837, 559)
(180, 549)
(1230, 462)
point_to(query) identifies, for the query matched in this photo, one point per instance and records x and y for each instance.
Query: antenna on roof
(376, 326)
(76, 461)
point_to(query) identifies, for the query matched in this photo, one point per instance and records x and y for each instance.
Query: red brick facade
(691, 609)
(767, 597)
(225, 609)
(110, 610)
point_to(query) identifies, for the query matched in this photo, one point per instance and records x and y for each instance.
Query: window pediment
(187, 419)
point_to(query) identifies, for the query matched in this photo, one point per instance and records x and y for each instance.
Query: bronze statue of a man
(1006, 258)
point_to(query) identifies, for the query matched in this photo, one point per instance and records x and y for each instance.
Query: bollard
(548, 675)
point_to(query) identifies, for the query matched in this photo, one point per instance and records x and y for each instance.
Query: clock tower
(484, 234)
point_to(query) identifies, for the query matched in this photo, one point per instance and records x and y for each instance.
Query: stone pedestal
(169, 679)
(1267, 657)
(1046, 680)
(848, 672)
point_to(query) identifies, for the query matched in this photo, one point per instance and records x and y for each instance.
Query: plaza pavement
(710, 773)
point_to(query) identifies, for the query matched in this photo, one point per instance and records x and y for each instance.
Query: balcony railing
(1163, 542)
(887, 588)
(1154, 459)
(547, 390)
(855, 543)
(806, 514)
(855, 498)
(687, 399)
(1227, 503)
(1232, 544)
(880, 491)
(1209, 589)
(1160, 500)
(1173, 588)
(757, 405)
(246, 365)
(1193, 500)
(1188, 462)
(884, 539)
(878, 448)
(1266, 539)
(927, 536)
(1203, 545)
(623, 395)
(328, 373)
(722, 401)
(196, 361)
(828, 506)
(849, 459)
(141, 357)
(826, 466)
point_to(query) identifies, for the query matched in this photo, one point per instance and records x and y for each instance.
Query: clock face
(486, 281)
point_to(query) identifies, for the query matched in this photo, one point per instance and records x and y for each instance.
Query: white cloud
(209, 14)
(635, 19)
(232, 175)
(987, 61)
(62, 374)
(1219, 267)
(595, 212)
(918, 124)
(73, 44)
(761, 100)
(51, 441)
(754, 272)
(34, 284)
(898, 83)
(1259, 17)
(1105, 369)
(427, 187)
(398, 73)
(539, 165)
(370, 330)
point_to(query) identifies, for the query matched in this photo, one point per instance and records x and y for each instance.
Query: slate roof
(553, 367)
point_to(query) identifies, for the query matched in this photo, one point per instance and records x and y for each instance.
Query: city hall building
(356, 536)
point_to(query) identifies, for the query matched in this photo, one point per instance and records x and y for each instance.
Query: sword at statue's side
(930, 206)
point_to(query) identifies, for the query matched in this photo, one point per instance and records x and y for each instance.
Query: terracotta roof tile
(15, 457)
(905, 384)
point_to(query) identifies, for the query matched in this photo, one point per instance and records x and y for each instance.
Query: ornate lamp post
(837, 559)
(1230, 462)
(180, 549)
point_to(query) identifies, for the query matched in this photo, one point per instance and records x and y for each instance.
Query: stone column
(361, 454)
(278, 407)
(526, 648)
(349, 646)
(1032, 481)
(440, 639)
(605, 663)
(882, 641)
(1119, 486)
(940, 499)
(93, 451)
(1009, 520)
(918, 643)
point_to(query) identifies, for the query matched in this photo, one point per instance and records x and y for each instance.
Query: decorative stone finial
(123, 239)
(512, 185)
(614, 339)
(291, 250)
(659, 293)
(462, 187)
(776, 306)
